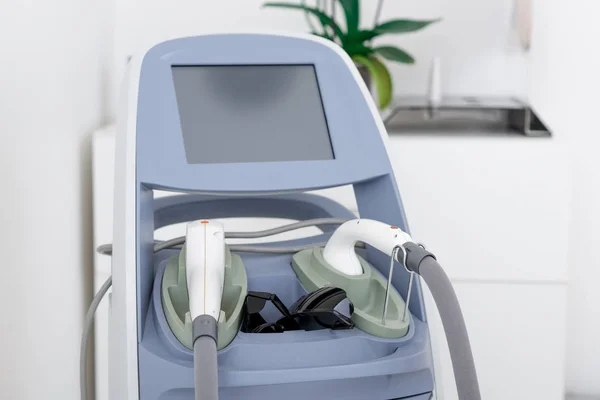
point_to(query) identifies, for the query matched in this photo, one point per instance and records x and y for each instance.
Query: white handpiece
(205, 267)
(339, 251)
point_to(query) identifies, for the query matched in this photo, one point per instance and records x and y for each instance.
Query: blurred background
(529, 203)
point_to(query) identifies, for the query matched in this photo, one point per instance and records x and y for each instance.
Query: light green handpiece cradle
(366, 292)
(176, 305)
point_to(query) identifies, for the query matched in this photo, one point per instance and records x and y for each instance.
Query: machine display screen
(251, 113)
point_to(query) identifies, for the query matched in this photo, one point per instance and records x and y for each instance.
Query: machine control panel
(254, 113)
(251, 113)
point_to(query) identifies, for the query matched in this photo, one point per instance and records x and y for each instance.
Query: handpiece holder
(379, 309)
(176, 305)
(340, 253)
(367, 291)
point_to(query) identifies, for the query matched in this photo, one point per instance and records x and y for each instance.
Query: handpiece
(205, 267)
(205, 273)
(339, 251)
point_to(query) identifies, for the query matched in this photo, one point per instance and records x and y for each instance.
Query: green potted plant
(357, 42)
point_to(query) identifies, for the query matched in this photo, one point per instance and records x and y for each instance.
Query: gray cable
(106, 249)
(205, 369)
(250, 248)
(455, 328)
(285, 228)
(169, 244)
(85, 337)
(273, 249)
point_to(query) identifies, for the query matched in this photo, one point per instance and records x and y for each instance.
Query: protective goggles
(325, 308)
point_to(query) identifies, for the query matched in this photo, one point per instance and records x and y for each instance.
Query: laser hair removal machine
(245, 125)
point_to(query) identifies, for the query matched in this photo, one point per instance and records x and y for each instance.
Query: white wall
(564, 84)
(50, 76)
(475, 40)
(583, 351)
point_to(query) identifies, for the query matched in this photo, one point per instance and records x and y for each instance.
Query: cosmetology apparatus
(244, 126)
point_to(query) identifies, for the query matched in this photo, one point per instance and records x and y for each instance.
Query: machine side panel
(123, 326)
(145, 248)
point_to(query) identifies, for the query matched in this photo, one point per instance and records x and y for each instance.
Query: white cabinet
(493, 208)
(517, 335)
(495, 212)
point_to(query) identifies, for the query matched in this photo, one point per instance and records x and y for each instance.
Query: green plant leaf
(365, 35)
(395, 26)
(325, 19)
(403, 26)
(381, 77)
(357, 49)
(323, 35)
(394, 54)
(352, 12)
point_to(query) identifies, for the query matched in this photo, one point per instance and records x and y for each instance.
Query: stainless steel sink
(481, 115)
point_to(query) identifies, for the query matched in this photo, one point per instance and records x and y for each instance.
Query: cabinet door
(517, 335)
(491, 208)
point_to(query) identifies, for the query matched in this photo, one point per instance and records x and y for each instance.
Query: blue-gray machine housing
(326, 364)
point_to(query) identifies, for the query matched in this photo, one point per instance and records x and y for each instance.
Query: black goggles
(326, 315)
